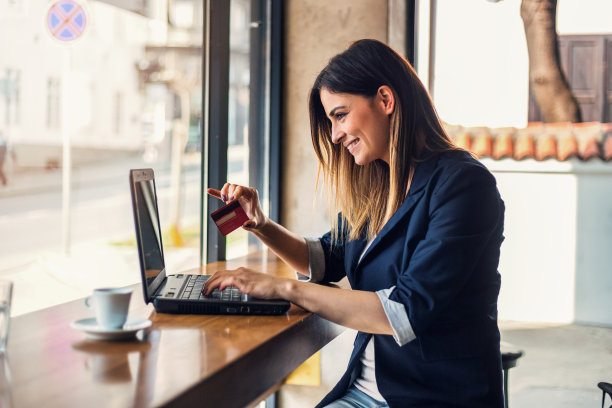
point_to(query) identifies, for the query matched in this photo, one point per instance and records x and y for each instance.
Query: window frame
(264, 111)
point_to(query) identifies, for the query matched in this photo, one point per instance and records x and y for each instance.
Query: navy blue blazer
(441, 251)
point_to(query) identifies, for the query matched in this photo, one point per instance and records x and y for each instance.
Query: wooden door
(584, 62)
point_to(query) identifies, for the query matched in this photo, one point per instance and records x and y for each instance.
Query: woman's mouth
(351, 146)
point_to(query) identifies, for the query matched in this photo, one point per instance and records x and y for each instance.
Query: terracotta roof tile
(524, 147)
(546, 147)
(587, 124)
(568, 147)
(483, 144)
(542, 141)
(607, 149)
(464, 140)
(557, 127)
(502, 146)
(591, 149)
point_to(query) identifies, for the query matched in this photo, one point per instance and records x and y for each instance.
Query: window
(131, 99)
(239, 99)
(244, 92)
(77, 117)
(118, 110)
(11, 92)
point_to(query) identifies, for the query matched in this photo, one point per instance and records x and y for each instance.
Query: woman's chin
(361, 161)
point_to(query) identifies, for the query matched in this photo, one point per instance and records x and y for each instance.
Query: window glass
(238, 112)
(246, 156)
(125, 93)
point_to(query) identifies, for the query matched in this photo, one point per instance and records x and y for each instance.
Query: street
(100, 210)
(31, 253)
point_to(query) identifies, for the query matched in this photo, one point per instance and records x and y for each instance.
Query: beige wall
(316, 30)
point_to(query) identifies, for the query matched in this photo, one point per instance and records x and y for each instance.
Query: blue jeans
(354, 398)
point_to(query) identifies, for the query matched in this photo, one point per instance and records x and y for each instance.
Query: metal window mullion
(216, 123)
(204, 133)
(275, 85)
(411, 32)
(258, 108)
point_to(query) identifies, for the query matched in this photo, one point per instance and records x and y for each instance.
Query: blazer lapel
(422, 174)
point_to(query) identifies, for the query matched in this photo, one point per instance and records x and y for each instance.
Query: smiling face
(359, 123)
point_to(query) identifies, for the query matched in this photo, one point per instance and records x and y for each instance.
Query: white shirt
(395, 311)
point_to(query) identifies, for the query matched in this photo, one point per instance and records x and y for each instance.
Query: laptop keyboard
(193, 291)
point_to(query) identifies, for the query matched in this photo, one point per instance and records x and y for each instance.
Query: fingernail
(223, 197)
(231, 198)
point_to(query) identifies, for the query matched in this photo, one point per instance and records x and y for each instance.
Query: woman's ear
(386, 98)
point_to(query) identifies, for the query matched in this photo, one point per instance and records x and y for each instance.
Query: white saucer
(129, 329)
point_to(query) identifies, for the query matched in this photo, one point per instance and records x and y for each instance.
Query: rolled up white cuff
(398, 318)
(316, 261)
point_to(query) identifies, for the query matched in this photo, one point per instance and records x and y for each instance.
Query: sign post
(66, 21)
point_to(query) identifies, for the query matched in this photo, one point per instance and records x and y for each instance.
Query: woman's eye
(339, 116)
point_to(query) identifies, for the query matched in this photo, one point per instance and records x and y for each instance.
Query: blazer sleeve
(334, 255)
(462, 239)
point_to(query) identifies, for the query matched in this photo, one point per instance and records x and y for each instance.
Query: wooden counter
(181, 361)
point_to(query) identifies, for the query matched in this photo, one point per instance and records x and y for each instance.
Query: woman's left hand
(248, 281)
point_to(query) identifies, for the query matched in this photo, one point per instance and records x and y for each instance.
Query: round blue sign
(66, 20)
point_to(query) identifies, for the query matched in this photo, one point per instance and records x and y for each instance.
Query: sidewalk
(52, 278)
(561, 366)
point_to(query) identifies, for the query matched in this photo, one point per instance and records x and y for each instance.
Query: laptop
(180, 293)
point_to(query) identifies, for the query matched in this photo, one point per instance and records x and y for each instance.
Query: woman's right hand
(248, 198)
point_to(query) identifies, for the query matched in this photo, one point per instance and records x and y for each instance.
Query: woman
(418, 235)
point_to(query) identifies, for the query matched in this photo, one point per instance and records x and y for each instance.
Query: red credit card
(229, 217)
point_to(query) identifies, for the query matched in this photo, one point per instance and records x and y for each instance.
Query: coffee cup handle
(88, 302)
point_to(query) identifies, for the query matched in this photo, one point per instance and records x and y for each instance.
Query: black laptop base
(175, 306)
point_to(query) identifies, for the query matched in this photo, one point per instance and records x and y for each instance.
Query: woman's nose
(337, 135)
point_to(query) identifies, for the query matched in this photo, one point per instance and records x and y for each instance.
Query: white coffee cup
(110, 305)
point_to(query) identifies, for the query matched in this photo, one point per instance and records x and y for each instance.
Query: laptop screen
(148, 232)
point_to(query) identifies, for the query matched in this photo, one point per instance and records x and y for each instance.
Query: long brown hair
(368, 195)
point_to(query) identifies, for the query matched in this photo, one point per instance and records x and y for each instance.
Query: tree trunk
(550, 87)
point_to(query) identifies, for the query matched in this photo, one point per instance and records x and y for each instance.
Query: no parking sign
(66, 20)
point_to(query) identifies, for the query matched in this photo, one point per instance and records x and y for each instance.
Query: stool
(510, 355)
(607, 389)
